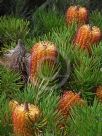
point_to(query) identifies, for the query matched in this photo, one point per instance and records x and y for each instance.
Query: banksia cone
(13, 104)
(77, 14)
(68, 100)
(24, 117)
(43, 51)
(99, 93)
(96, 35)
(86, 36)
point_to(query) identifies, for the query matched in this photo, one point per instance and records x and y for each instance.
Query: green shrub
(10, 82)
(12, 29)
(96, 19)
(45, 21)
(86, 120)
(5, 117)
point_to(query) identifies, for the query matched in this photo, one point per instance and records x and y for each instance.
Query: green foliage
(35, 93)
(6, 47)
(29, 43)
(63, 37)
(49, 70)
(31, 94)
(86, 120)
(86, 72)
(12, 29)
(82, 77)
(45, 21)
(5, 117)
(47, 101)
(96, 18)
(10, 82)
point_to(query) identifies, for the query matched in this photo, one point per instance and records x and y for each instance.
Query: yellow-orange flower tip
(77, 14)
(13, 104)
(87, 36)
(24, 116)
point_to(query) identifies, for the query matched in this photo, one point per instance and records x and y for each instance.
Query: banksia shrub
(23, 118)
(86, 36)
(68, 100)
(77, 14)
(43, 53)
(99, 93)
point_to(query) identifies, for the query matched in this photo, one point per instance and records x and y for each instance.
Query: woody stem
(26, 107)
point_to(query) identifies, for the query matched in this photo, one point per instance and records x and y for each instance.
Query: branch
(44, 5)
(18, 60)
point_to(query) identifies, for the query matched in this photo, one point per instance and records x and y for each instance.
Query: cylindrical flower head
(68, 100)
(24, 117)
(83, 36)
(86, 36)
(77, 14)
(96, 35)
(42, 52)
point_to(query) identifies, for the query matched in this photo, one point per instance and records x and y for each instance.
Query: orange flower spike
(77, 14)
(41, 52)
(24, 117)
(71, 14)
(83, 15)
(68, 100)
(86, 36)
(83, 36)
(96, 35)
